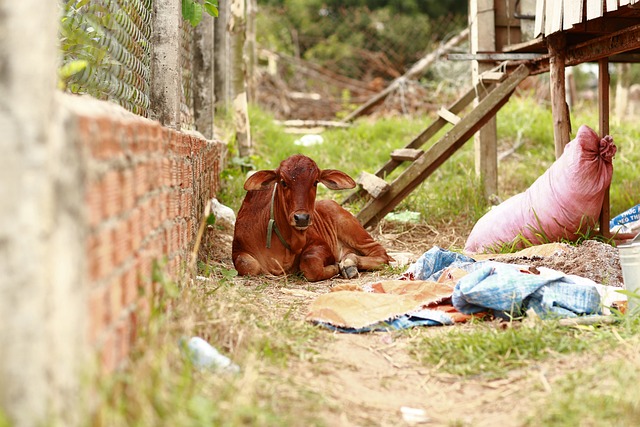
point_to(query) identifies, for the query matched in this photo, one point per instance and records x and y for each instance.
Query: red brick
(108, 352)
(167, 169)
(140, 178)
(111, 195)
(122, 242)
(129, 283)
(127, 191)
(115, 301)
(135, 229)
(133, 327)
(103, 143)
(174, 204)
(93, 199)
(100, 247)
(92, 246)
(97, 314)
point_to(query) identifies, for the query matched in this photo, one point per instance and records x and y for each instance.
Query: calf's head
(296, 181)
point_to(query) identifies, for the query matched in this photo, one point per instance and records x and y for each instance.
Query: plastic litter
(627, 222)
(204, 356)
(309, 140)
(413, 416)
(404, 216)
(222, 212)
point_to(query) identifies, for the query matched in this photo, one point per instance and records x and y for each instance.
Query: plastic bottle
(204, 356)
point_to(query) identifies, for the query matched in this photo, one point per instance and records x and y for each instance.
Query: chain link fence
(106, 50)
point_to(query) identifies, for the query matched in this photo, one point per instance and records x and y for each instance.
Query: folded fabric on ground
(391, 304)
(464, 288)
(510, 291)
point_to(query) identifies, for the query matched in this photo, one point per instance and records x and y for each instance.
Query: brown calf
(281, 229)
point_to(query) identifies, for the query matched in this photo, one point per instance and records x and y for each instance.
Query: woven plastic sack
(562, 203)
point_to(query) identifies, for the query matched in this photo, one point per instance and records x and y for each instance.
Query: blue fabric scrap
(505, 289)
(432, 263)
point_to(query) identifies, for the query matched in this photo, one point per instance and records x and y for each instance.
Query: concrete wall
(41, 240)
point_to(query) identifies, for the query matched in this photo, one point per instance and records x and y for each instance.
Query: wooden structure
(541, 36)
(385, 197)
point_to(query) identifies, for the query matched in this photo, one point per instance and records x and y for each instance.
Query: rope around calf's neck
(272, 226)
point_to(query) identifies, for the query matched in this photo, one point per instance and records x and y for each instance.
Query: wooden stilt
(603, 107)
(561, 120)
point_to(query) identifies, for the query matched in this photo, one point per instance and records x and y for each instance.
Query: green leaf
(197, 14)
(73, 67)
(211, 219)
(186, 9)
(211, 6)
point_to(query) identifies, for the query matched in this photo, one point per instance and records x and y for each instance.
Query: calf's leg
(247, 265)
(317, 263)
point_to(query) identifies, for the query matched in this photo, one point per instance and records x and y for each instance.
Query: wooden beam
(592, 50)
(603, 107)
(560, 111)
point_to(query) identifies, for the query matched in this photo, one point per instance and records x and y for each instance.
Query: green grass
(491, 351)
(605, 394)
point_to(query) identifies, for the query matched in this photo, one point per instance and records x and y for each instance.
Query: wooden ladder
(384, 196)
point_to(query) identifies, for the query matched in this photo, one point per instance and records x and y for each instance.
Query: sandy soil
(372, 379)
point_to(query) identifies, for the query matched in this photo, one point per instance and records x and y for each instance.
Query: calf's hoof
(348, 268)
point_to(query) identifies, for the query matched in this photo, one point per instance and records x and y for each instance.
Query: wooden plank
(418, 171)
(603, 108)
(406, 154)
(553, 18)
(594, 9)
(372, 184)
(612, 5)
(624, 2)
(448, 116)
(539, 25)
(492, 77)
(572, 13)
(423, 137)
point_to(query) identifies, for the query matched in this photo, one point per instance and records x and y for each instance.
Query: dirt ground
(372, 379)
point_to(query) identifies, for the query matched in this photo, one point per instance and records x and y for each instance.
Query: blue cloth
(433, 262)
(510, 292)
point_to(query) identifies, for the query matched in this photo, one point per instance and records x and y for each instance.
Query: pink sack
(565, 200)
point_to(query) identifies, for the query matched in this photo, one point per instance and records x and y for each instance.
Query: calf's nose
(301, 219)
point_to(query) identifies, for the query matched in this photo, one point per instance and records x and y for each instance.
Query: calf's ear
(260, 180)
(336, 180)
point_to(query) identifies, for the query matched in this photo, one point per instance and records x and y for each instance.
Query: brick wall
(145, 190)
